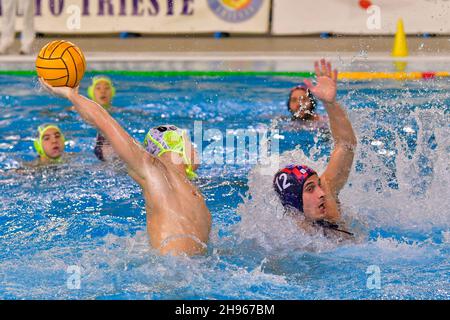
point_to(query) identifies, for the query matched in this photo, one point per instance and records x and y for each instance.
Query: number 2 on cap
(285, 184)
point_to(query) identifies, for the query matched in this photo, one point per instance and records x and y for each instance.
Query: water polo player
(49, 144)
(302, 104)
(178, 220)
(301, 190)
(102, 91)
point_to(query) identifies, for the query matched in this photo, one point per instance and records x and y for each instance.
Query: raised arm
(127, 148)
(341, 160)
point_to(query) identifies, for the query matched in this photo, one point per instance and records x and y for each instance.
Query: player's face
(102, 93)
(313, 199)
(53, 143)
(299, 101)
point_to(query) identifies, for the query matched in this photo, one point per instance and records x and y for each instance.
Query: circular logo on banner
(235, 10)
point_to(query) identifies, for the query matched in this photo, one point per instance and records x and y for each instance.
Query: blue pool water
(89, 216)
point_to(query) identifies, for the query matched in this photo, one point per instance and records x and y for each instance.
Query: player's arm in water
(341, 160)
(127, 148)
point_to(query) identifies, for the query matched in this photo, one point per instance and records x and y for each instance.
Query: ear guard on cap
(168, 138)
(97, 79)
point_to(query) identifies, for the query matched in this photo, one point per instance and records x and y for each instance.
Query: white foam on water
(422, 198)
(123, 266)
(419, 203)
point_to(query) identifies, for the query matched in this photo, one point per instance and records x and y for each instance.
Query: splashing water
(91, 215)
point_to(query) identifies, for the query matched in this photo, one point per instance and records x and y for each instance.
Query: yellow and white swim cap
(165, 138)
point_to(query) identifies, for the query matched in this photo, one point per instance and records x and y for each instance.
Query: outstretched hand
(63, 92)
(326, 87)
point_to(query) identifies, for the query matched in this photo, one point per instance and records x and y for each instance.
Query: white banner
(148, 16)
(360, 16)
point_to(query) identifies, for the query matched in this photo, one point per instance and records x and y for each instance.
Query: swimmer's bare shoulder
(171, 202)
(331, 200)
(28, 166)
(111, 109)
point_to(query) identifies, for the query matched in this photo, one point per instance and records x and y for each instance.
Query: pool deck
(273, 51)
